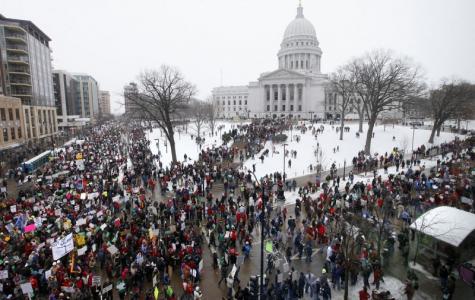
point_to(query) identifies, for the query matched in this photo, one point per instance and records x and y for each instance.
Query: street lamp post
(413, 131)
(344, 169)
(283, 174)
(264, 204)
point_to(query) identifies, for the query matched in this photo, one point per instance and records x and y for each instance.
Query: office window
(229, 102)
(245, 102)
(10, 114)
(240, 102)
(268, 94)
(275, 107)
(283, 107)
(300, 107)
(268, 108)
(276, 94)
(2, 114)
(300, 92)
(291, 108)
(234, 108)
(282, 91)
(5, 134)
(19, 133)
(17, 112)
(12, 132)
(234, 102)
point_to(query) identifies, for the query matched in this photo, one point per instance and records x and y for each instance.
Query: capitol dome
(299, 26)
(299, 50)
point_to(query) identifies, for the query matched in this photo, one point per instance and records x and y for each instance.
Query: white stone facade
(296, 88)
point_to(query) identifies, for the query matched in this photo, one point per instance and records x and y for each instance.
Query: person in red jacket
(364, 295)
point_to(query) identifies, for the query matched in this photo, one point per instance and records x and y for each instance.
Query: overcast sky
(114, 40)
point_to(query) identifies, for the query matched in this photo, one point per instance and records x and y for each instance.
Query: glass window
(268, 108)
(275, 107)
(276, 94)
(229, 102)
(291, 108)
(245, 102)
(240, 102)
(5, 134)
(283, 107)
(234, 102)
(10, 114)
(300, 91)
(2, 114)
(300, 107)
(268, 94)
(19, 132)
(12, 133)
(17, 112)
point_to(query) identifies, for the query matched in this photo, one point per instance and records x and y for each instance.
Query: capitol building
(296, 88)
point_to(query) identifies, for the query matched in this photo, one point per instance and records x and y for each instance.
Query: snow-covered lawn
(185, 141)
(348, 148)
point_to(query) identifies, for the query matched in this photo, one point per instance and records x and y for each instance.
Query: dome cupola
(300, 49)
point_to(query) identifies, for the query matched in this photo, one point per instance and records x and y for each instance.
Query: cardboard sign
(81, 222)
(4, 274)
(82, 250)
(62, 246)
(30, 228)
(112, 249)
(96, 280)
(26, 288)
(107, 289)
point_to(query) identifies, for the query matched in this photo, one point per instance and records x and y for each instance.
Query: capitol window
(268, 107)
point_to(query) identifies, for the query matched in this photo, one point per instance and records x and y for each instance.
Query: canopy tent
(447, 224)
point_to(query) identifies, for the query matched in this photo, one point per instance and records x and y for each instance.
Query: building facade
(129, 91)
(25, 58)
(296, 88)
(105, 102)
(12, 122)
(87, 96)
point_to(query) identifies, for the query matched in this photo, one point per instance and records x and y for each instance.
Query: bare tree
(344, 84)
(212, 115)
(163, 96)
(383, 82)
(358, 105)
(199, 111)
(452, 99)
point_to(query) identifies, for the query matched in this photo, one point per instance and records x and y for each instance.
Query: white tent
(447, 224)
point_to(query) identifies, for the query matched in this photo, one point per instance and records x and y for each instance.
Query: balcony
(16, 82)
(17, 50)
(17, 60)
(19, 72)
(16, 38)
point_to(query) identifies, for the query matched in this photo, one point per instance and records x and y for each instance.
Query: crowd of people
(105, 217)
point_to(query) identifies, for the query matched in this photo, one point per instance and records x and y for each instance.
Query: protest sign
(81, 221)
(112, 249)
(47, 273)
(30, 228)
(4, 274)
(62, 246)
(107, 289)
(26, 288)
(13, 208)
(82, 251)
(96, 280)
(233, 271)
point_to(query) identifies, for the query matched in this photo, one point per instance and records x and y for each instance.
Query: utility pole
(283, 174)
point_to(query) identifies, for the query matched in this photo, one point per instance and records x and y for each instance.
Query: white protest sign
(103, 226)
(13, 208)
(26, 288)
(80, 222)
(96, 280)
(82, 251)
(48, 273)
(112, 249)
(107, 289)
(4, 274)
(62, 246)
(233, 271)
(68, 289)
